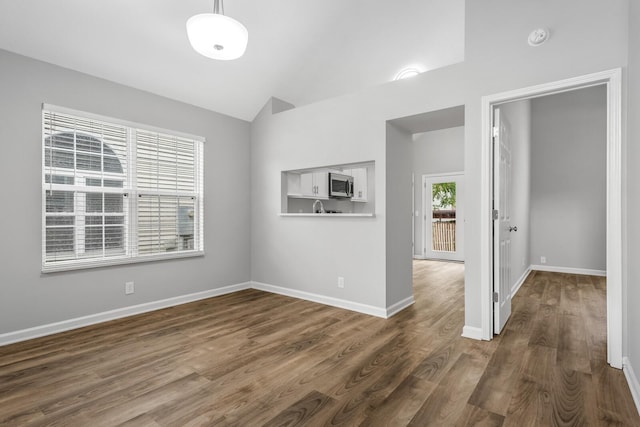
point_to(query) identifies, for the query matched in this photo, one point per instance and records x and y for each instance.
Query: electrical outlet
(543, 260)
(341, 282)
(129, 288)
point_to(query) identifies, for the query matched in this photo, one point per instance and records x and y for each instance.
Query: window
(116, 192)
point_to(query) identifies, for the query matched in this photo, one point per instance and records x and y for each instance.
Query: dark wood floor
(252, 359)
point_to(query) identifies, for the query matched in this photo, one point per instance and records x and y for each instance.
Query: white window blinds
(168, 192)
(115, 192)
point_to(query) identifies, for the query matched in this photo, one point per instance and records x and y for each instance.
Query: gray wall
(399, 280)
(29, 298)
(568, 186)
(434, 152)
(345, 129)
(632, 294)
(352, 128)
(518, 115)
(501, 60)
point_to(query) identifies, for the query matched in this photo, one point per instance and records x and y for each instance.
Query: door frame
(413, 216)
(426, 209)
(612, 79)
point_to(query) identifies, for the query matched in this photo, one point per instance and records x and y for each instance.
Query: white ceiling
(299, 50)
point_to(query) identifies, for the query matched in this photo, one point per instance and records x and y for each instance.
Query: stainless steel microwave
(340, 186)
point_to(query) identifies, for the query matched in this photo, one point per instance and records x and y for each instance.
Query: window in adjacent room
(116, 192)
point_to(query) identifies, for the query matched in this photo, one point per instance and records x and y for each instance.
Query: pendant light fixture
(217, 36)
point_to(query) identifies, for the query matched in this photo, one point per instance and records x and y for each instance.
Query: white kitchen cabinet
(307, 187)
(314, 185)
(359, 184)
(293, 184)
(321, 180)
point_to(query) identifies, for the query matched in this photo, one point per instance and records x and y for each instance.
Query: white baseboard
(79, 322)
(516, 287)
(92, 319)
(569, 270)
(334, 302)
(399, 306)
(632, 380)
(472, 332)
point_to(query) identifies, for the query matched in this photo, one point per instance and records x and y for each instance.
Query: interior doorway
(428, 143)
(491, 258)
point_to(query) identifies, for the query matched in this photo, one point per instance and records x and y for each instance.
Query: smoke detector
(538, 36)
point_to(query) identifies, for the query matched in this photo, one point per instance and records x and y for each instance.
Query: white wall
(568, 186)
(29, 298)
(518, 114)
(632, 157)
(435, 152)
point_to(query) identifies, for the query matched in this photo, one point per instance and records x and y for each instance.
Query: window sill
(124, 260)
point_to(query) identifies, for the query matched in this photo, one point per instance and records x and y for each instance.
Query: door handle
(513, 228)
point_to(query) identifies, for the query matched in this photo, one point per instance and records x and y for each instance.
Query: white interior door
(502, 222)
(443, 216)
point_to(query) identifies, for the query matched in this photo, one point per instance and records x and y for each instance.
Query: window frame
(129, 189)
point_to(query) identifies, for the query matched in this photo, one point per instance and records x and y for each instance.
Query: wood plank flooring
(258, 359)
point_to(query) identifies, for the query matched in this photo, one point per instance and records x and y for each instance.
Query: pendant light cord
(218, 7)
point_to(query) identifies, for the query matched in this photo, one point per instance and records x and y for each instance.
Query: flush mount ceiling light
(406, 73)
(217, 36)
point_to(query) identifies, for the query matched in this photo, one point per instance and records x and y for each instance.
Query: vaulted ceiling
(300, 51)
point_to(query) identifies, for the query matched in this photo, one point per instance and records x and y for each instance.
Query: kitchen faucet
(321, 207)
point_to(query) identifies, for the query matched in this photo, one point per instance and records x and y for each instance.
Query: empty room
(245, 213)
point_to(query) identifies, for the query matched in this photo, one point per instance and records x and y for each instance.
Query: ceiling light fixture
(217, 36)
(406, 73)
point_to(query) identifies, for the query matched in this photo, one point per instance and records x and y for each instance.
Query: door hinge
(496, 132)
(495, 297)
(494, 214)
